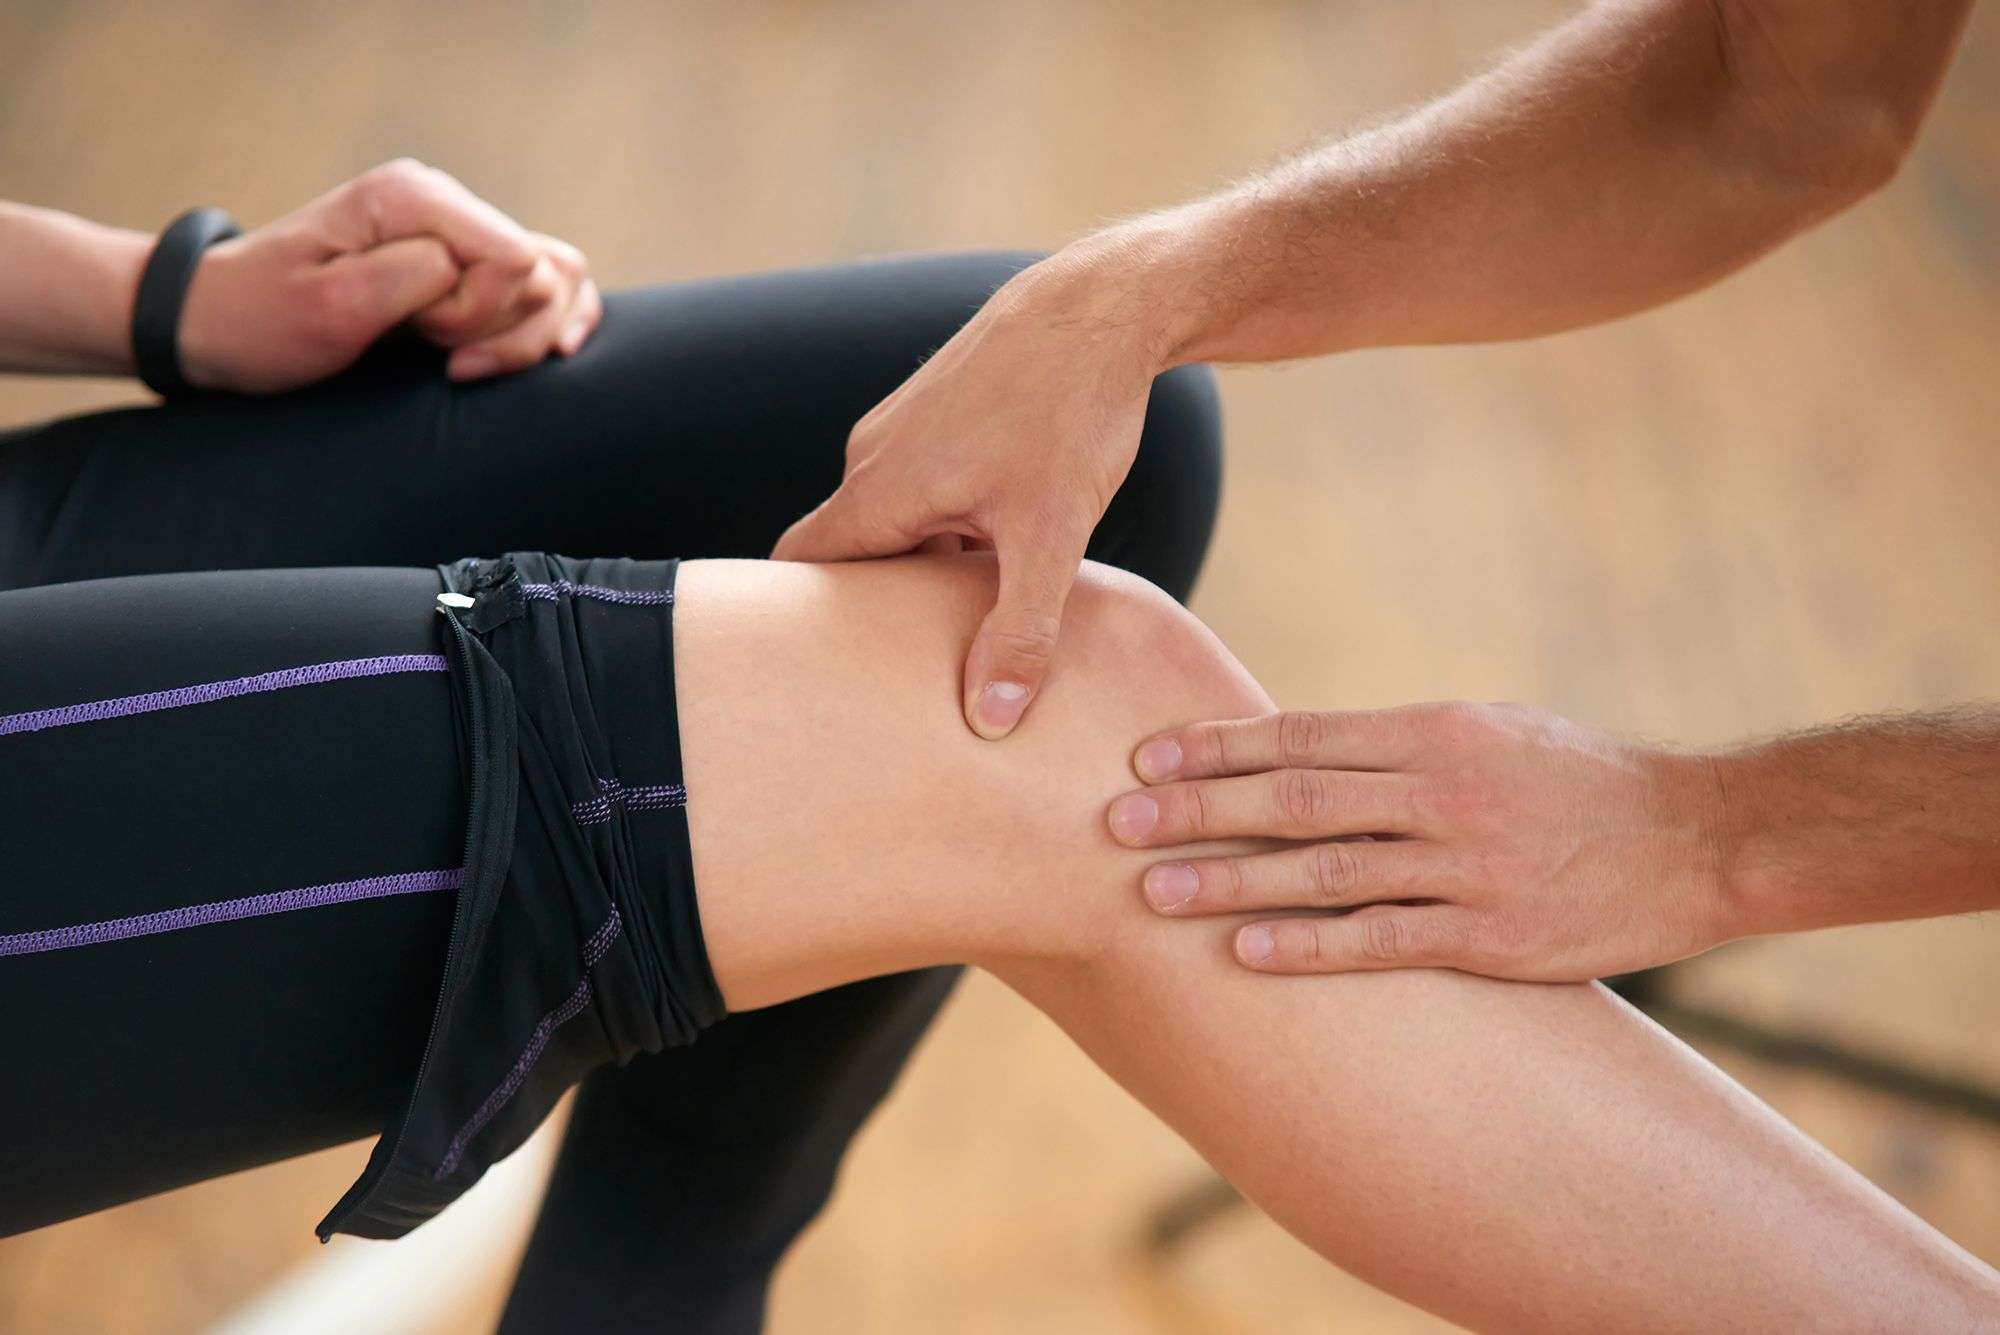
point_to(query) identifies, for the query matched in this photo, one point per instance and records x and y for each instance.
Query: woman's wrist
(118, 257)
(66, 294)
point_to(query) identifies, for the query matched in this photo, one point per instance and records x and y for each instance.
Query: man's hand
(300, 298)
(1492, 838)
(1015, 436)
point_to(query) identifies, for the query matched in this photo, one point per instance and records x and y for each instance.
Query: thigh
(701, 419)
(231, 816)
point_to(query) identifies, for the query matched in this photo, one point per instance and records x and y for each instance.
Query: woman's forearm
(66, 291)
(1511, 1156)
(1635, 153)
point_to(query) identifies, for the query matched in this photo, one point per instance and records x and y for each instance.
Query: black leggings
(280, 862)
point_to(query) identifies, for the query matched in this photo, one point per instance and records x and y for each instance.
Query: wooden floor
(1769, 505)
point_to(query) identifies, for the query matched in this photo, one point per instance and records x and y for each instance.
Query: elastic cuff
(577, 940)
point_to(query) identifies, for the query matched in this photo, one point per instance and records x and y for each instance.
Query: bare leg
(1508, 1155)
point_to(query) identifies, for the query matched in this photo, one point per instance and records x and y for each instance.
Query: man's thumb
(1017, 641)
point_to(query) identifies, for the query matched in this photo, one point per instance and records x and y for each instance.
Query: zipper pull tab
(457, 601)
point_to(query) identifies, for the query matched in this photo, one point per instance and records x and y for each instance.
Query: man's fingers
(851, 526)
(1360, 739)
(1334, 874)
(1383, 937)
(1280, 804)
(1017, 640)
(365, 294)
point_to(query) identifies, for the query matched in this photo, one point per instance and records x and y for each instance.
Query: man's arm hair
(1872, 819)
(1637, 152)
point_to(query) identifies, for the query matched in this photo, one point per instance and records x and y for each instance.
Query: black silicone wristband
(156, 313)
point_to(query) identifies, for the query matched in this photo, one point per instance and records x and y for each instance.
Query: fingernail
(1170, 885)
(472, 365)
(1133, 816)
(572, 339)
(1158, 759)
(1255, 944)
(999, 708)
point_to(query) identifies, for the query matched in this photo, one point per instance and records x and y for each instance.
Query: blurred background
(1769, 505)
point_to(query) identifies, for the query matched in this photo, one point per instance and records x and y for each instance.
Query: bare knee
(1131, 662)
(846, 822)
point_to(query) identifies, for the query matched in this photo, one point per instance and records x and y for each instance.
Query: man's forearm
(66, 290)
(1639, 151)
(1870, 821)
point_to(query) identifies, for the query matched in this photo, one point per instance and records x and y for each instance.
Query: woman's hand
(1491, 838)
(1016, 434)
(299, 299)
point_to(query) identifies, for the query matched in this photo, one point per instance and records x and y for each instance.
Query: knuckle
(1336, 873)
(1235, 889)
(1455, 717)
(1486, 868)
(1459, 802)
(1209, 747)
(1301, 797)
(517, 259)
(404, 168)
(397, 178)
(1384, 939)
(1026, 641)
(540, 287)
(565, 257)
(865, 437)
(1302, 736)
(1434, 802)
(1464, 723)
(1498, 939)
(1312, 952)
(1448, 940)
(1198, 811)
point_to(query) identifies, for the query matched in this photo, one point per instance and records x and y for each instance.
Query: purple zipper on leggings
(230, 910)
